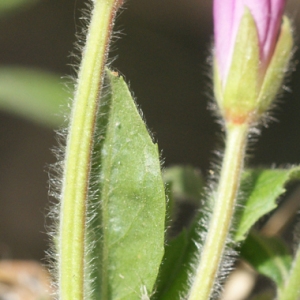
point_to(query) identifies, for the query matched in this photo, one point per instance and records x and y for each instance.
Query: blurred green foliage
(7, 6)
(35, 95)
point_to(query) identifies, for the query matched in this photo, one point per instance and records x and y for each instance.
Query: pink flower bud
(267, 15)
(253, 46)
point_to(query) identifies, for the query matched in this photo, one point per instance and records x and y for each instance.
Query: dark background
(162, 50)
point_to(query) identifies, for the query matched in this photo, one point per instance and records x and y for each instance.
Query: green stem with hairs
(224, 204)
(71, 250)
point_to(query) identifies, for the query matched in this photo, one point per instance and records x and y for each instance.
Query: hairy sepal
(241, 85)
(277, 68)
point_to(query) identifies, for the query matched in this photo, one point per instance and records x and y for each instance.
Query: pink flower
(267, 15)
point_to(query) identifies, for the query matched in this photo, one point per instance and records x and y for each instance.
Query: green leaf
(35, 95)
(132, 203)
(9, 5)
(268, 255)
(261, 188)
(173, 278)
(291, 290)
(186, 187)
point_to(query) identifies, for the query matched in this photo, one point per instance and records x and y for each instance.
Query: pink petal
(275, 19)
(268, 16)
(223, 11)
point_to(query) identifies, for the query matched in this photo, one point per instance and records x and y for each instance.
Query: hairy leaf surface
(132, 202)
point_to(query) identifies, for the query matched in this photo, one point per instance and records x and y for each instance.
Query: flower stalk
(71, 250)
(224, 203)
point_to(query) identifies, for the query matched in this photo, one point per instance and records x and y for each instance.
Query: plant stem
(224, 204)
(78, 152)
(291, 288)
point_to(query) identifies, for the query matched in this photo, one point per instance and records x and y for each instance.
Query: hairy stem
(71, 250)
(224, 203)
(291, 288)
